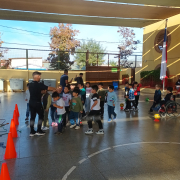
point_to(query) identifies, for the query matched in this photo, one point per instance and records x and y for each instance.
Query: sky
(98, 33)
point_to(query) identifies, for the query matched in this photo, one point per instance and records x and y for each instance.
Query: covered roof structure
(93, 12)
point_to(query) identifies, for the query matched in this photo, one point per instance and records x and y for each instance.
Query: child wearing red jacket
(137, 92)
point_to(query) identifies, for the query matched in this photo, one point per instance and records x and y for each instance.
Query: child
(168, 97)
(137, 92)
(83, 96)
(131, 99)
(126, 95)
(60, 91)
(111, 101)
(95, 112)
(53, 113)
(61, 112)
(46, 100)
(75, 107)
(27, 100)
(88, 97)
(67, 99)
(102, 95)
(157, 97)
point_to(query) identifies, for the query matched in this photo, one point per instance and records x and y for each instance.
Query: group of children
(132, 93)
(158, 102)
(75, 103)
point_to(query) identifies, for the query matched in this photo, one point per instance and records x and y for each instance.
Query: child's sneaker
(72, 126)
(53, 124)
(89, 131)
(136, 109)
(101, 131)
(26, 119)
(77, 127)
(127, 110)
(109, 120)
(32, 133)
(44, 128)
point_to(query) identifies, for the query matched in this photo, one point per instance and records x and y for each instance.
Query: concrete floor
(133, 147)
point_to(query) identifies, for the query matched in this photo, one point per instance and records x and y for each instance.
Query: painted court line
(81, 161)
(98, 152)
(69, 172)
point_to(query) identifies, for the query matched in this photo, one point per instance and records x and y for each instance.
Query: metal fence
(34, 59)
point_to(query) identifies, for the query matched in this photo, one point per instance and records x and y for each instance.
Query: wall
(151, 58)
(7, 74)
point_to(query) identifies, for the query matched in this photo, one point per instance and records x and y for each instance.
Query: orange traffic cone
(13, 129)
(15, 117)
(16, 108)
(10, 152)
(4, 172)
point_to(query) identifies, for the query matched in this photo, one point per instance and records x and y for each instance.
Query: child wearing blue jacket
(111, 101)
(131, 99)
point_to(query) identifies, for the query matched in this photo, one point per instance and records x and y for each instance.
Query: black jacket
(157, 96)
(168, 97)
(79, 80)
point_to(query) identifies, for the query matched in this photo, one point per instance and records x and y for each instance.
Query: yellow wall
(151, 58)
(7, 74)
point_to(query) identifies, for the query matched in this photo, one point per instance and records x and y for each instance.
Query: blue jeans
(72, 116)
(53, 113)
(27, 110)
(111, 111)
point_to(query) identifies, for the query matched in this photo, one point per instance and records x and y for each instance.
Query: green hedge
(150, 78)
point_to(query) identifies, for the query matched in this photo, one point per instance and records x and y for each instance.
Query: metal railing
(37, 59)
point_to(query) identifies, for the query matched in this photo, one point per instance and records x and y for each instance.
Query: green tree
(62, 39)
(112, 63)
(60, 61)
(94, 48)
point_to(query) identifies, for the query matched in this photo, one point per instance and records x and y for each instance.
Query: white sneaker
(44, 128)
(72, 126)
(89, 131)
(77, 127)
(101, 131)
(136, 109)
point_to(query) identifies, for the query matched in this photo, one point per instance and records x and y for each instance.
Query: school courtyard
(133, 147)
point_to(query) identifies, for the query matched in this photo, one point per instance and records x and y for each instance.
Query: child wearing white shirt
(61, 112)
(67, 99)
(27, 97)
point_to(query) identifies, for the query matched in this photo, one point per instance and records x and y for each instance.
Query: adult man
(64, 79)
(35, 104)
(79, 79)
